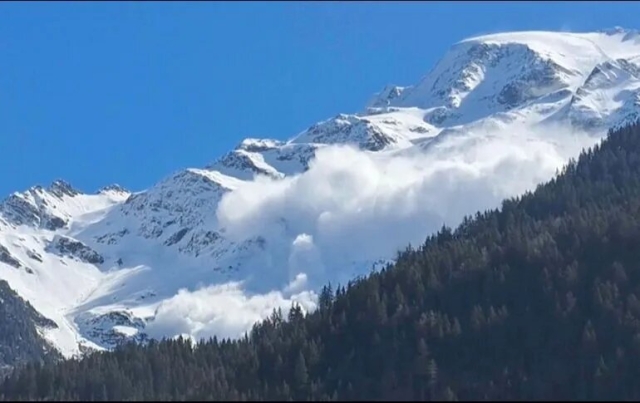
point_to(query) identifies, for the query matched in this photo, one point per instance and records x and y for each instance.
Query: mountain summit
(212, 250)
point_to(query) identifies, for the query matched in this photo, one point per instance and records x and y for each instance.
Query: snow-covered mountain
(211, 250)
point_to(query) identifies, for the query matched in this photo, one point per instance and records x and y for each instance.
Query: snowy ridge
(212, 250)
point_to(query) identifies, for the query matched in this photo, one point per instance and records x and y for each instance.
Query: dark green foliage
(538, 300)
(20, 341)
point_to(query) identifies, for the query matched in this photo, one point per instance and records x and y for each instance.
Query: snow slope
(212, 250)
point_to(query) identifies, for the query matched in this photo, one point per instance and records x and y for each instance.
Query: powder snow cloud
(356, 206)
(352, 205)
(225, 310)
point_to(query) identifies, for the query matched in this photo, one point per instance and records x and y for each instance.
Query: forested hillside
(537, 300)
(20, 340)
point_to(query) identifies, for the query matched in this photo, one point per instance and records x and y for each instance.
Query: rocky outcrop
(69, 247)
(112, 329)
(7, 258)
(20, 325)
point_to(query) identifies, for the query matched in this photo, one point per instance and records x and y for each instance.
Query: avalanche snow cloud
(224, 311)
(354, 206)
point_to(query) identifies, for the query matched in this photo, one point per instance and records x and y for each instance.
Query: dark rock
(20, 211)
(177, 237)
(6, 257)
(112, 238)
(114, 188)
(75, 249)
(101, 328)
(54, 223)
(20, 341)
(200, 241)
(34, 255)
(61, 188)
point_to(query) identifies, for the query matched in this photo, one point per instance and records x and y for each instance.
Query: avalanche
(212, 250)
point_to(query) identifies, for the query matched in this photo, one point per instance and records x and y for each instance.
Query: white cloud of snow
(353, 205)
(224, 310)
(359, 206)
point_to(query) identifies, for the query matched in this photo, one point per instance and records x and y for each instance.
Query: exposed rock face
(20, 325)
(61, 188)
(6, 257)
(28, 209)
(74, 249)
(114, 188)
(112, 329)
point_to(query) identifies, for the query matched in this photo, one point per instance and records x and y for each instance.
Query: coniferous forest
(537, 300)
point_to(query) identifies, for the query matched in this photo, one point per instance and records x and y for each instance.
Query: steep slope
(21, 331)
(210, 251)
(51, 271)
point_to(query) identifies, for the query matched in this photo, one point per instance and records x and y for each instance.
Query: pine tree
(300, 373)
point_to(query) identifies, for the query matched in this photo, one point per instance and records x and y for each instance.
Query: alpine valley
(212, 250)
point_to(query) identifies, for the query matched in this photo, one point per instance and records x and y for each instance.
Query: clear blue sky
(99, 93)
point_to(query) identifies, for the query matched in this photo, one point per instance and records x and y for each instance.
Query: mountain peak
(618, 30)
(386, 96)
(497, 73)
(255, 144)
(62, 188)
(114, 188)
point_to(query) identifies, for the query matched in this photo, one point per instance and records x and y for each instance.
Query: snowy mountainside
(20, 335)
(212, 250)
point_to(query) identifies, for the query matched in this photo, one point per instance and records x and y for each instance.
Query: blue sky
(101, 93)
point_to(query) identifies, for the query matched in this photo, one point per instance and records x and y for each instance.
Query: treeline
(536, 300)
